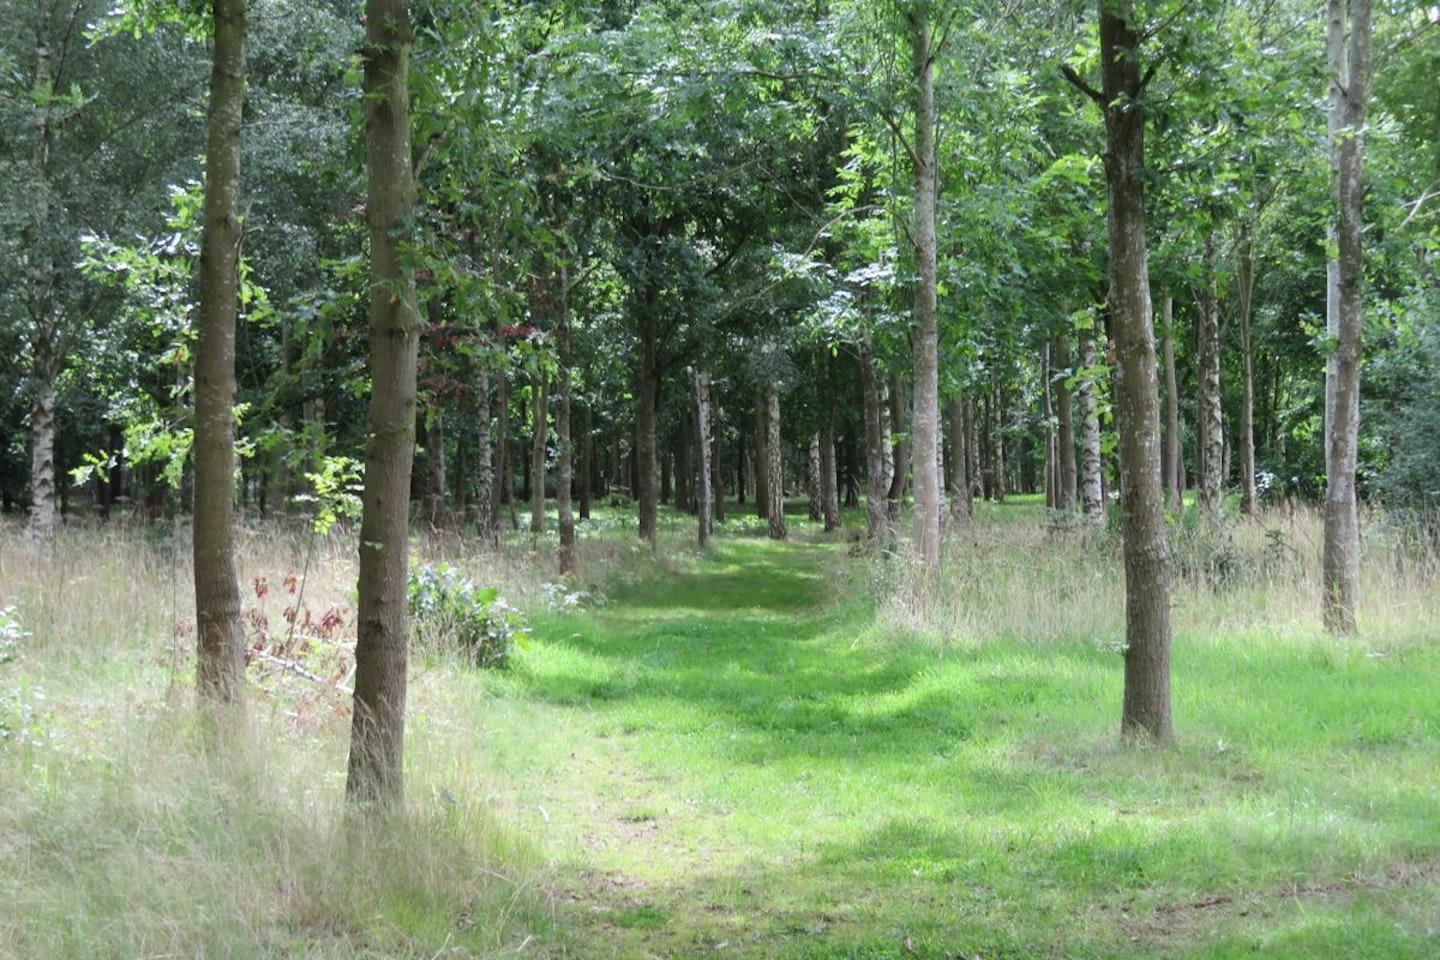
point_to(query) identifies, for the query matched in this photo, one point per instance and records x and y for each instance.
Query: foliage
(453, 612)
(338, 485)
(11, 633)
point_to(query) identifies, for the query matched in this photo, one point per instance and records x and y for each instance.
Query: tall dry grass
(1048, 582)
(122, 834)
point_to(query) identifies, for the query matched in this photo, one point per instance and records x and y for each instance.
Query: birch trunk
(705, 508)
(775, 463)
(1210, 423)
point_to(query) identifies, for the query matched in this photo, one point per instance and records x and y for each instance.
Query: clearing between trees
(761, 750)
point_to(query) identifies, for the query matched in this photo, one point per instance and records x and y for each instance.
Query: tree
(926, 447)
(1351, 96)
(377, 734)
(219, 670)
(1146, 708)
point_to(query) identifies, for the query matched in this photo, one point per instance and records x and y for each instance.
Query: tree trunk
(1092, 495)
(876, 480)
(377, 733)
(504, 463)
(1210, 424)
(1245, 290)
(996, 427)
(812, 479)
(1172, 468)
(1146, 709)
(435, 467)
(219, 663)
(702, 429)
(1052, 446)
(587, 462)
(568, 557)
(962, 507)
(45, 348)
(762, 458)
(926, 402)
(775, 463)
(829, 485)
(1065, 425)
(1342, 522)
(540, 434)
(489, 494)
(899, 445)
(645, 494)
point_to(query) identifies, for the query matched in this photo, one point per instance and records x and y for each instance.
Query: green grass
(765, 750)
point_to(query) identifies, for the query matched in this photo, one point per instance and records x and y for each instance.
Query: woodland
(874, 479)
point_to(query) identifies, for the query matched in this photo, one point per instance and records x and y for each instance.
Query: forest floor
(763, 750)
(726, 759)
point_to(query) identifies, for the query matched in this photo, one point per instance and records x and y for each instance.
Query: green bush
(451, 611)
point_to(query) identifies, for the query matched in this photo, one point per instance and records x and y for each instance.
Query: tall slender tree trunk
(1065, 425)
(435, 467)
(645, 493)
(540, 418)
(1341, 564)
(1172, 468)
(1047, 413)
(762, 458)
(1245, 290)
(568, 556)
(899, 445)
(1210, 423)
(926, 402)
(1092, 491)
(1146, 708)
(587, 462)
(504, 463)
(45, 345)
(219, 664)
(812, 479)
(489, 494)
(962, 507)
(876, 479)
(775, 463)
(705, 506)
(829, 486)
(377, 734)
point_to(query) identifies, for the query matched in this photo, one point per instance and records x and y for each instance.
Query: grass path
(725, 763)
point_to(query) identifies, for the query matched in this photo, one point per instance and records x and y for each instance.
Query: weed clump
(451, 611)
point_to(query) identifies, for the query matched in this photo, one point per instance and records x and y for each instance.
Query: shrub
(450, 610)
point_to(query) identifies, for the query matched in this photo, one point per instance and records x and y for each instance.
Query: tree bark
(705, 507)
(377, 733)
(587, 462)
(1172, 469)
(812, 479)
(568, 556)
(962, 507)
(489, 514)
(1146, 707)
(775, 463)
(829, 485)
(45, 346)
(899, 445)
(1210, 423)
(1092, 494)
(762, 458)
(1341, 563)
(926, 397)
(645, 493)
(1245, 290)
(540, 419)
(876, 480)
(219, 662)
(435, 467)
(1065, 425)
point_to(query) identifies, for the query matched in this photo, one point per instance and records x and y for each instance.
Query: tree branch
(1068, 72)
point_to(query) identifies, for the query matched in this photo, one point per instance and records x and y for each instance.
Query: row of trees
(654, 248)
